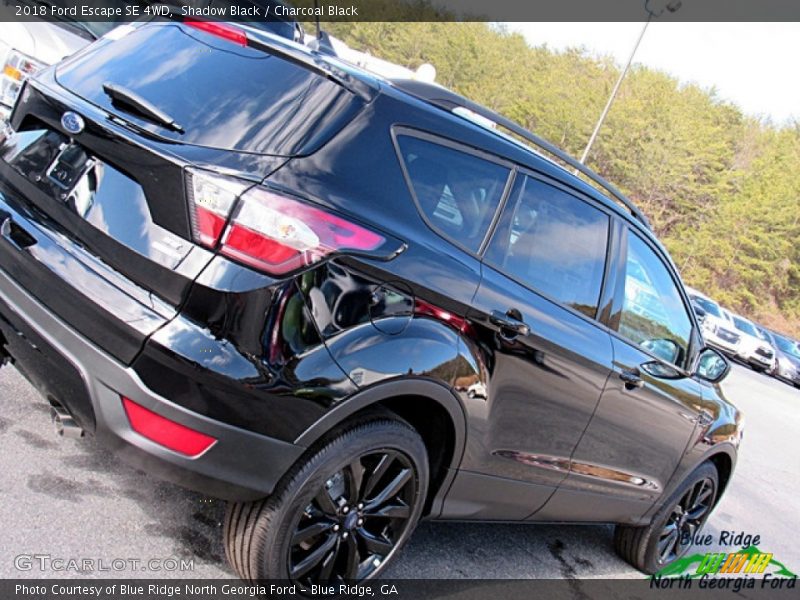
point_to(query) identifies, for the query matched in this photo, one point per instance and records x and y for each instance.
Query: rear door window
(457, 192)
(554, 243)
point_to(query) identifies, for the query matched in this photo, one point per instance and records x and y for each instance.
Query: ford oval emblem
(72, 122)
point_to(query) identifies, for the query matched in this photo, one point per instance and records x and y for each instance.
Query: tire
(304, 533)
(640, 546)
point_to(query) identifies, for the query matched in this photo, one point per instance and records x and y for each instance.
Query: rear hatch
(223, 95)
(94, 206)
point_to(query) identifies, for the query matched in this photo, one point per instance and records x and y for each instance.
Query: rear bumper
(242, 465)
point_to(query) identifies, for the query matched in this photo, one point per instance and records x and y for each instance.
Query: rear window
(458, 193)
(223, 95)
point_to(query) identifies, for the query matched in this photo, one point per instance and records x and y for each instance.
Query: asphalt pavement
(63, 499)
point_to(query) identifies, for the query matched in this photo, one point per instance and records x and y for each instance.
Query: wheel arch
(722, 455)
(723, 462)
(430, 407)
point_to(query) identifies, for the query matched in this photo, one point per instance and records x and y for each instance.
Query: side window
(458, 193)
(653, 313)
(553, 242)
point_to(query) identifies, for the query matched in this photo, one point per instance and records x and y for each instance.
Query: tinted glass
(653, 313)
(554, 243)
(457, 192)
(224, 95)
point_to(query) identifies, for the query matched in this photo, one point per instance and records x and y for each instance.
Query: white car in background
(718, 331)
(753, 349)
(27, 46)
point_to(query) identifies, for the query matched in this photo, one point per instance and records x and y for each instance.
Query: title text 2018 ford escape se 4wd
(343, 304)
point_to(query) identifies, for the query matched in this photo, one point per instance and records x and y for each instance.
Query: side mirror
(712, 365)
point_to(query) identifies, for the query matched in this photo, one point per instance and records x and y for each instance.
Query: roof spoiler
(447, 100)
(273, 44)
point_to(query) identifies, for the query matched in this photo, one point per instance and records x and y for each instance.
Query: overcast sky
(752, 64)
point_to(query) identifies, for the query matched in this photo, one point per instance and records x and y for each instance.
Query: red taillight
(209, 225)
(278, 234)
(268, 231)
(221, 30)
(211, 198)
(165, 432)
(256, 249)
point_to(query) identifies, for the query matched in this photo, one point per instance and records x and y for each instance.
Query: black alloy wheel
(687, 518)
(354, 522)
(341, 514)
(672, 530)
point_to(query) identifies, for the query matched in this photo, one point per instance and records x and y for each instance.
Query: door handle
(632, 378)
(509, 322)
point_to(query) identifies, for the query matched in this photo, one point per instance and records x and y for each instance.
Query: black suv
(345, 304)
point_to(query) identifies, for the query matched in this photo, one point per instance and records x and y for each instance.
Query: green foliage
(721, 188)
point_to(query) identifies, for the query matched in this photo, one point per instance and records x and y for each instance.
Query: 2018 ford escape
(345, 304)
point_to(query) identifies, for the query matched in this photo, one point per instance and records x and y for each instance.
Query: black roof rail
(448, 100)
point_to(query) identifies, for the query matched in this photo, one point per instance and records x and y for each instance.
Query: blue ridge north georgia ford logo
(72, 122)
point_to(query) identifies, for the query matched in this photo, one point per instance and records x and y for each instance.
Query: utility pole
(671, 7)
(614, 92)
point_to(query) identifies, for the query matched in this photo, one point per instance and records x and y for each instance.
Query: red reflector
(221, 30)
(277, 234)
(169, 434)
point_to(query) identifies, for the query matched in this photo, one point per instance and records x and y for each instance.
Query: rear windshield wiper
(145, 108)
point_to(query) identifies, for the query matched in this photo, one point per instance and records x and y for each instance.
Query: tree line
(721, 188)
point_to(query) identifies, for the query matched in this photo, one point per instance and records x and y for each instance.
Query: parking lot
(70, 499)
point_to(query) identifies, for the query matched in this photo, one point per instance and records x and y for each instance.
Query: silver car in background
(787, 357)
